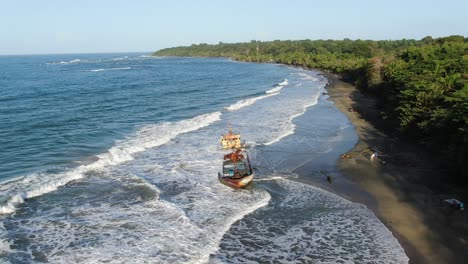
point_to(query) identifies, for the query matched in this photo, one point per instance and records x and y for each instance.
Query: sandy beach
(396, 186)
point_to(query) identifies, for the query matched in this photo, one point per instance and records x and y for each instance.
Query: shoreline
(391, 189)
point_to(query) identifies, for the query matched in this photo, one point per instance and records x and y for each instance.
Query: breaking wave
(284, 82)
(275, 90)
(278, 87)
(66, 62)
(15, 191)
(246, 102)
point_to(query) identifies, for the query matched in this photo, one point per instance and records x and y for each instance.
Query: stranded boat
(231, 140)
(237, 171)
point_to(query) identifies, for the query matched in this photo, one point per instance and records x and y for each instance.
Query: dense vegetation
(421, 85)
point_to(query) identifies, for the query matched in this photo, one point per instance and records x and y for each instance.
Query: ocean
(113, 158)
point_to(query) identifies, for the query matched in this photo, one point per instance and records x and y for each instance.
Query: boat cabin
(231, 140)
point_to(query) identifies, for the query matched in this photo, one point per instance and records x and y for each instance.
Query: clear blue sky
(81, 26)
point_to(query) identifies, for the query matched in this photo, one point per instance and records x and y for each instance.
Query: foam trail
(14, 192)
(70, 62)
(274, 90)
(66, 62)
(305, 76)
(120, 58)
(230, 221)
(5, 246)
(283, 83)
(273, 178)
(109, 69)
(291, 124)
(246, 102)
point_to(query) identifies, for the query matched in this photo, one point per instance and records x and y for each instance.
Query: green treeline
(421, 85)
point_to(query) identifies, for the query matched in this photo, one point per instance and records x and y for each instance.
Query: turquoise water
(114, 157)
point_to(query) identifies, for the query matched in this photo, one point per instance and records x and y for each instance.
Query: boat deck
(229, 167)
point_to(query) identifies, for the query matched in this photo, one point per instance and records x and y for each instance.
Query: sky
(90, 26)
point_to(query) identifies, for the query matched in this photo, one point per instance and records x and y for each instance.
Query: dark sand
(393, 187)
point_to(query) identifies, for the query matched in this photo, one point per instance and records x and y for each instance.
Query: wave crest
(65, 62)
(109, 69)
(284, 82)
(246, 102)
(274, 90)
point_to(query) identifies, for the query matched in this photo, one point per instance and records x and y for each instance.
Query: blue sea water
(114, 157)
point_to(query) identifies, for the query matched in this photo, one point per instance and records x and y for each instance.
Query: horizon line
(75, 53)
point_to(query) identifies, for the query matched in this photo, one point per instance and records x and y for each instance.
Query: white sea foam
(155, 231)
(65, 62)
(273, 116)
(275, 90)
(278, 87)
(110, 69)
(246, 102)
(202, 200)
(185, 228)
(5, 246)
(284, 82)
(120, 58)
(70, 62)
(305, 76)
(273, 177)
(15, 192)
(308, 224)
(291, 126)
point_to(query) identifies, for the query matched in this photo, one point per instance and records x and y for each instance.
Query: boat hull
(236, 183)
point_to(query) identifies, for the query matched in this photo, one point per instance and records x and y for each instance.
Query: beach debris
(455, 204)
(328, 177)
(350, 155)
(372, 154)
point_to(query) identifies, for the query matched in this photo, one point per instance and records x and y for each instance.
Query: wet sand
(391, 186)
